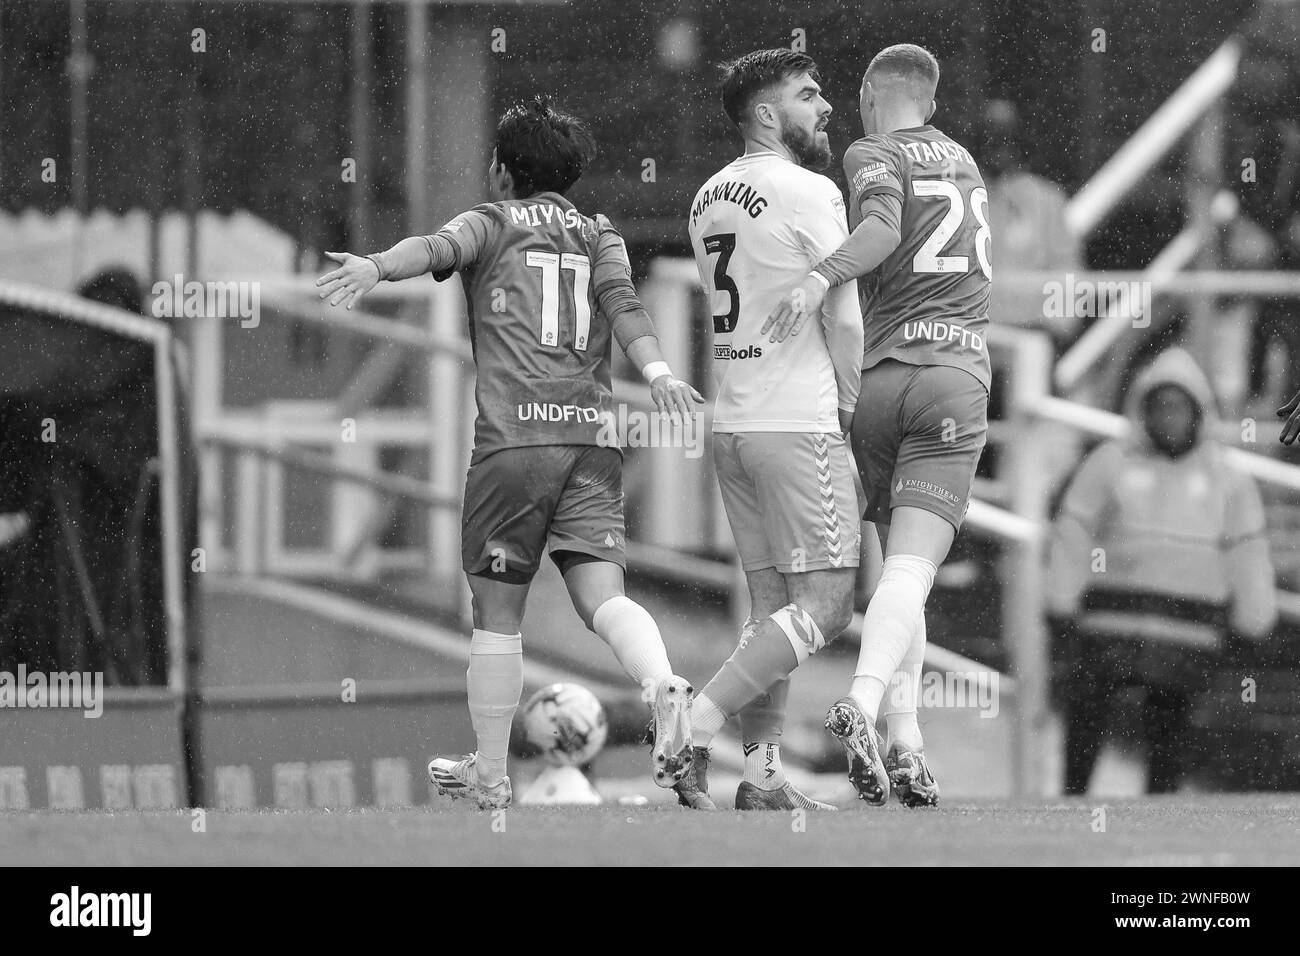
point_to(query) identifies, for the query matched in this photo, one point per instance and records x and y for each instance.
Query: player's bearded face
(803, 133)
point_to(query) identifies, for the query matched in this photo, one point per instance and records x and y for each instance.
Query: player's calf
(779, 644)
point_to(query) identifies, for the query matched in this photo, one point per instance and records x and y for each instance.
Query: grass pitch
(1204, 830)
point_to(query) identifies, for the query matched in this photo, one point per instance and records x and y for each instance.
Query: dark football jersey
(531, 270)
(928, 302)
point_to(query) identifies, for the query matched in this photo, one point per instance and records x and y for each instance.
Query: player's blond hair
(914, 65)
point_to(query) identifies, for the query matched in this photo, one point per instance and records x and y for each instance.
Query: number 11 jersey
(758, 227)
(532, 270)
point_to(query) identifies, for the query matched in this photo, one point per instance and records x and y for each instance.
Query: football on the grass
(567, 723)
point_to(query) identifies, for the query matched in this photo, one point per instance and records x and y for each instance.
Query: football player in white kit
(757, 227)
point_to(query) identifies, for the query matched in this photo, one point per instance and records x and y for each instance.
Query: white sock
(891, 619)
(763, 765)
(904, 693)
(633, 636)
(706, 721)
(495, 681)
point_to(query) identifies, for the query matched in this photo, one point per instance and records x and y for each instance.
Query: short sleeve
(873, 165)
(469, 234)
(610, 262)
(819, 220)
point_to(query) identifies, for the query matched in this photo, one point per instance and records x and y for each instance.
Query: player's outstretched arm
(1291, 412)
(456, 245)
(357, 275)
(866, 248)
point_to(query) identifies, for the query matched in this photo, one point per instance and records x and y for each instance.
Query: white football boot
(670, 727)
(459, 778)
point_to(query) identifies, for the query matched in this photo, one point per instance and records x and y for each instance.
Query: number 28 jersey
(532, 270)
(928, 302)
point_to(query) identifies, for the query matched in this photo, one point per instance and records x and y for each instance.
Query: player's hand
(675, 398)
(1291, 412)
(793, 311)
(354, 277)
(846, 421)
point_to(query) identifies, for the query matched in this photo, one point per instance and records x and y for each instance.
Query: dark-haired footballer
(547, 287)
(783, 465)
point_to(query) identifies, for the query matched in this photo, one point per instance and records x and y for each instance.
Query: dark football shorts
(918, 432)
(522, 501)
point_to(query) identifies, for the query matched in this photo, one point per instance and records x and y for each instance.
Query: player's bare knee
(828, 597)
(836, 616)
(812, 625)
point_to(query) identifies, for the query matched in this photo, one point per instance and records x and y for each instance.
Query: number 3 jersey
(758, 227)
(928, 302)
(541, 282)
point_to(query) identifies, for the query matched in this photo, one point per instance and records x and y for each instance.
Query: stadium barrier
(135, 752)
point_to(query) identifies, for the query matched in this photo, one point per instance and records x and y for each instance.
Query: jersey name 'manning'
(531, 268)
(757, 227)
(928, 302)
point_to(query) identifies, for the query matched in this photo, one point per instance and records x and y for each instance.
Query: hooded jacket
(1166, 549)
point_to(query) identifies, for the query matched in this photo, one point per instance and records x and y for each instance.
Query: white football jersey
(758, 227)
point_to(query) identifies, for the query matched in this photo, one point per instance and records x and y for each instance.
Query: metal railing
(167, 356)
(1196, 105)
(1153, 140)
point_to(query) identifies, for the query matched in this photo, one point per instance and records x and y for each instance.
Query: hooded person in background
(1157, 555)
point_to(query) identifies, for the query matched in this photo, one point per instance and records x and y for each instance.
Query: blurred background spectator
(1158, 554)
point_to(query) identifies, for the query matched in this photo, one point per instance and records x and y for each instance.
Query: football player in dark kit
(548, 289)
(919, 212)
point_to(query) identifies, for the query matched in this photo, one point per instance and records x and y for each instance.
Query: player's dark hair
(745, 77)
(909, 61)
(545, 149)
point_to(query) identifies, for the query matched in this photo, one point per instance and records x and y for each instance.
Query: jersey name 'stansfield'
(928, 303)
(757, 227)
(531, 268)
